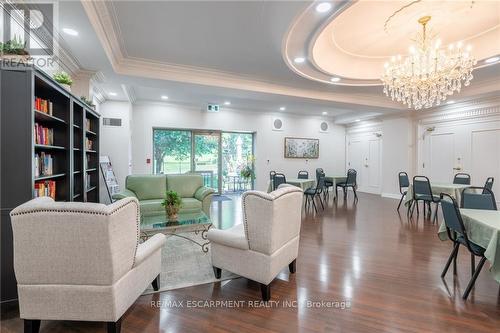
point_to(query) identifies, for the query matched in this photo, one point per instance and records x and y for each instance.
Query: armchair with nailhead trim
(266, 241)
(81, 261)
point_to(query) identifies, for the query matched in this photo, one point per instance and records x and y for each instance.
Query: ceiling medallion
(428, 74)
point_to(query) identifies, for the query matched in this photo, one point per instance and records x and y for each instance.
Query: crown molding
(129, 93)
(103, 19)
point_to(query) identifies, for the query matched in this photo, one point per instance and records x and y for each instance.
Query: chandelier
(428, 74)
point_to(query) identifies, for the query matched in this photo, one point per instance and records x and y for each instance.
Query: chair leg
(474, 277)
(355, 194)
(472, 264)
(455, 263)
(217, 272)
(156, 283)
(321, 201)
(418, 213)
(31, 325)
(265, 289)
(114, 327)
(292, 267)
(400, 201)
(314, 204)
(452, 255)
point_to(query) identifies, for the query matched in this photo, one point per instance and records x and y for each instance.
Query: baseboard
(391, 196)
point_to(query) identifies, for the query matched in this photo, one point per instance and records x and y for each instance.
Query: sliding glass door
(224, 159)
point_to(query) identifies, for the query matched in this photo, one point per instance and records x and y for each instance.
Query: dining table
(335, 179)
(483, 229)
(454, 190)
(304, 184)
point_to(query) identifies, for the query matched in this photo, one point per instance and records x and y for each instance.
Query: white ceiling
(229, 37)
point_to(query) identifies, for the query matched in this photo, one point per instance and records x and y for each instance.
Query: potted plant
(64, 79)
(172, 204)
(14, 49)
(88, 102)
(247, 172)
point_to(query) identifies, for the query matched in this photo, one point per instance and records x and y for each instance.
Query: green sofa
(150, 191)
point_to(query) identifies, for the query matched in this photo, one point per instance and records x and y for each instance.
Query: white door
(356, 160)
(485, 158)
(373, 166)
(441, 163)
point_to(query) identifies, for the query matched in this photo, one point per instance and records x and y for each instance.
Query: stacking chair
(489, 183)
(404, 183)
(278, 179)
(350, 182)
(473, 199)
(458, 235)
(312, 193)
(303, 175)
(461, 178)
(422, 191)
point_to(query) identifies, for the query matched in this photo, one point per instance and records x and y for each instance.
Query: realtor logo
(27, 29)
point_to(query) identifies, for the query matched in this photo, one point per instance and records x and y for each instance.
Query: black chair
(461, 178)
(312, 193)
(404, 183)
(278, 179)
(422, 191)
(350, 182)
(489, 183)
(303, 175)
(327, 184)
(473, 199)
(458, 235)
(271, 178)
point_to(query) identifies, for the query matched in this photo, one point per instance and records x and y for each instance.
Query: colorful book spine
(89, 144)
(44, 105)
(45, 189)
(43, 165)
(43, 135)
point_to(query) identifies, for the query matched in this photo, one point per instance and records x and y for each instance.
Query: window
(172, 151)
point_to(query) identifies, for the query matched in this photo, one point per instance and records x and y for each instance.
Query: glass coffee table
(186, 222)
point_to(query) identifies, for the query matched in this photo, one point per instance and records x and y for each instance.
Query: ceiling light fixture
(335, 79)
(299, 60)
(450, 102)
(357, 120)
(323, 7)
(429, 74)
(112, 94)
(324, 113)
(227, 103)
(492, 60)
(165, 97)
(70, 31)
(282, 108)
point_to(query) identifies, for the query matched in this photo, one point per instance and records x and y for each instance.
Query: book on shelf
(87, 125)
(43, 165)
(43, 135)
(43, 105)
(89, 144)
(87, 181)
(45, 189)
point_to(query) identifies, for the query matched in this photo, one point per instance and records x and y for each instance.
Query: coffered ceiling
(208, 51)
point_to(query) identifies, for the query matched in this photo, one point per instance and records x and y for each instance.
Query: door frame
(217, 133)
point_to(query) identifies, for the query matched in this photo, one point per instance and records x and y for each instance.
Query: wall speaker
(323, 127)
(277, 124)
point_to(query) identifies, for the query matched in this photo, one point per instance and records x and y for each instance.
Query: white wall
(268, 143)
(115, 142)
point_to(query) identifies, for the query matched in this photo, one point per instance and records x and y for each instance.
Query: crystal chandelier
(428, 74)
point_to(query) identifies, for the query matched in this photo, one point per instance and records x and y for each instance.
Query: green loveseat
(150, 191)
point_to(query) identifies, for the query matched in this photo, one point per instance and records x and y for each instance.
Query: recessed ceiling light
(70, 31)
(112, 94)
(335, 79)
(450, 102)
(164, 97)
(323, 7)
(227, 103)
(492, 60)
(358, 120)
(282, 108)
(299, 60)
(324, 113)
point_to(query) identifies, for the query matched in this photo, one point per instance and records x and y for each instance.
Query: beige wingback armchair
(81, 261)
(266, 241)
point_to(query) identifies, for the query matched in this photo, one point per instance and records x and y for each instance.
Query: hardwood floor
(386, 267)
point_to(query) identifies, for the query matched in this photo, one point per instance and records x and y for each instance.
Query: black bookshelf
(69, 163)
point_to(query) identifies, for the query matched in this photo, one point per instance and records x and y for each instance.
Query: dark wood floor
(387, 267)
